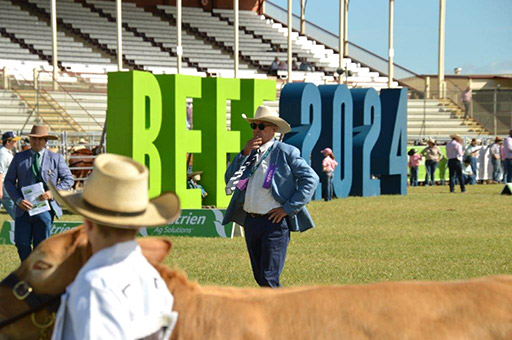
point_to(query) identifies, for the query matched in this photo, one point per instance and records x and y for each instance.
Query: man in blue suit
(271, 184)
(32, 166)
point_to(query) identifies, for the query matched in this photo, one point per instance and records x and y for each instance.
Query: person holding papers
(31, 171)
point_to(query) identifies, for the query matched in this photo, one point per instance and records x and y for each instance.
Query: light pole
(390, 40)
(119, 35)
(179, 48)
(442, 9)
(290, 40)
(54, 43)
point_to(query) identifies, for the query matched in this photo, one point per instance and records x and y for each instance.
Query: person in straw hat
(271, 184)
(433, 155)
(117, 291)
(36, 165)
(454, 153)
(9, 141)
(495, 154)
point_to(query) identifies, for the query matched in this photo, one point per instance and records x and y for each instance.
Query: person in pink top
(466, 100)
(328, 166)
(454, 153)
(507, 148)
(414, 162)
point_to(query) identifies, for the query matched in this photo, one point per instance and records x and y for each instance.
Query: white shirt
(6, 157)
(259, 200)
(116, 295)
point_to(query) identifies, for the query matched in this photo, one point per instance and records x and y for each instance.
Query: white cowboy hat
(267, 114)
(116, 195)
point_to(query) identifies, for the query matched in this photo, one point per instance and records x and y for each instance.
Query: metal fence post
(6, 78)
(495, 111)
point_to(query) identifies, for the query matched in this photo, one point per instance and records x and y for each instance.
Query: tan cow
(474, 309)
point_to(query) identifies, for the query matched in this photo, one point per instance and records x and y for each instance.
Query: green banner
(198, 223)
(441, 173)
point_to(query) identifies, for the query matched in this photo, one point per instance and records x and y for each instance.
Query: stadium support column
(54, 43)
(290, 40)
(303, 17)
(119, 12)
(340, 41)
(235, 57)
(345, 29)
(390, 39)
(442, 9)
(179, 48)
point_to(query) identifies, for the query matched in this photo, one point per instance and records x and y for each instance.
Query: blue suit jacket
(53, 170)
(293, 185)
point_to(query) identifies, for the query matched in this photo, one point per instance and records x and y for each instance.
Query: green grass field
(429, 234)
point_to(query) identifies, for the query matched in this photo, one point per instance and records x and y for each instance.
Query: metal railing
(492, 108)
(404, 76)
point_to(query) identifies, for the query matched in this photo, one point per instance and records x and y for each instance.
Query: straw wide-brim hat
(498, 139)
(193, 173)
(267, 114)
(40, 131)
(116, 195)
(455, 136)
(431, 140)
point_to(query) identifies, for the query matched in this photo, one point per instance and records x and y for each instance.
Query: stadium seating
(36, 33)
(87, 47)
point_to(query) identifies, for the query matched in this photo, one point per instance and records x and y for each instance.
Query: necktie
(36, 167)
(233, 181)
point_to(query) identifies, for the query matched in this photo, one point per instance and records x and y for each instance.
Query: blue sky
(478, 32)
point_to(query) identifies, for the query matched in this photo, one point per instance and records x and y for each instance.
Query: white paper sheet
(31, 194)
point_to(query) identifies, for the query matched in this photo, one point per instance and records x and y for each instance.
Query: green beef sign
(146, 120)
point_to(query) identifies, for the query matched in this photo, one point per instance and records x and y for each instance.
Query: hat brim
(161, 210)
(17, 138)
(282, 125)
(44, 136)
(192, 174)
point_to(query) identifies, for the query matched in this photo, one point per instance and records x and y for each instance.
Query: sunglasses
(260, 126)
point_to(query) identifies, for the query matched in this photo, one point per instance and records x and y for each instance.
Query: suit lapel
(45, 165)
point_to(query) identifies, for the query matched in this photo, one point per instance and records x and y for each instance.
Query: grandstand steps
(48, 110)
(439, 119)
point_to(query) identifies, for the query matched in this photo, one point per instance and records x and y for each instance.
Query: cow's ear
(155, 249)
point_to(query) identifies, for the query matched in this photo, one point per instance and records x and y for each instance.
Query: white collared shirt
(6, 157)
(259, 200)
(116, 295)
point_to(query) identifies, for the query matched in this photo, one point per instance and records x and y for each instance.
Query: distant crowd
(490, 163)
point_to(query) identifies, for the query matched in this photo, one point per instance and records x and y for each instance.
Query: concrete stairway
(434, 118)
(48, 110)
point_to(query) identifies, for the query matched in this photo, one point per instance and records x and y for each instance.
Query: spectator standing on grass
(328, 166)
(466, 100)
(495, 153)
(271, 185)
(507, 148)
(414, 162)
(471, 155)
(454, 153)
(274, 66)
(433, 156)
(37, 165)
(9, 140)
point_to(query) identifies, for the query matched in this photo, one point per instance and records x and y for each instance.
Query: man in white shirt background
(9, 140)
(117, 294)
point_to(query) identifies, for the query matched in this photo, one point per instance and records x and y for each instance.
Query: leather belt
(256, 215)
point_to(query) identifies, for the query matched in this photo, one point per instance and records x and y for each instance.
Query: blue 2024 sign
(366, 131)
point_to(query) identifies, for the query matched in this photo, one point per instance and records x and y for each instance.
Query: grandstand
(87, 51)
